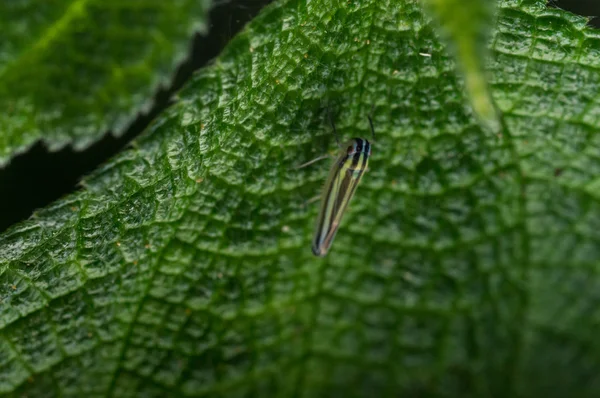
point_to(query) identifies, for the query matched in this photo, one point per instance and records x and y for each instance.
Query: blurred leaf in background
(71, 70)
(467, 264)
(466, 23)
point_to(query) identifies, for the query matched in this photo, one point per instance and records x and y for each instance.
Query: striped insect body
(344, 177)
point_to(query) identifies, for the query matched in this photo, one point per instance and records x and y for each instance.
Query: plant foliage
(70, 70)
(467, 264)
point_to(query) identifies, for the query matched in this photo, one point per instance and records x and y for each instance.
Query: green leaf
(467, 264)
(467, 24)
(70, 70)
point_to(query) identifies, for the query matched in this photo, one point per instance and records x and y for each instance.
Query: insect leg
(312, 200)
(313, 161)
(369, 116)
(335, 133)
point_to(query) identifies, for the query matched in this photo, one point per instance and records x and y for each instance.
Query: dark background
(38, 177)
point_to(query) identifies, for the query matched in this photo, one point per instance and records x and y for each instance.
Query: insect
(344, 176)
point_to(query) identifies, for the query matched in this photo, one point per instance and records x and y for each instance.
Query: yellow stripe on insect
(344, 176)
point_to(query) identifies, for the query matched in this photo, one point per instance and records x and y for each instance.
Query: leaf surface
(467, 264)
(71, 70)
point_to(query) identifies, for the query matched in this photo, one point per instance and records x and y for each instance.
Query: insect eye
(350, 149)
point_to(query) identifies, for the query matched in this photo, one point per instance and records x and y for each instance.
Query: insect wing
(341, 184)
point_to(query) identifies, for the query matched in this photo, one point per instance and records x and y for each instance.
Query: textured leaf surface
(70, 70)
(466, 266)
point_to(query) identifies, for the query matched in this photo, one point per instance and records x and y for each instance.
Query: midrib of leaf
(428, 277)
(126, 340)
